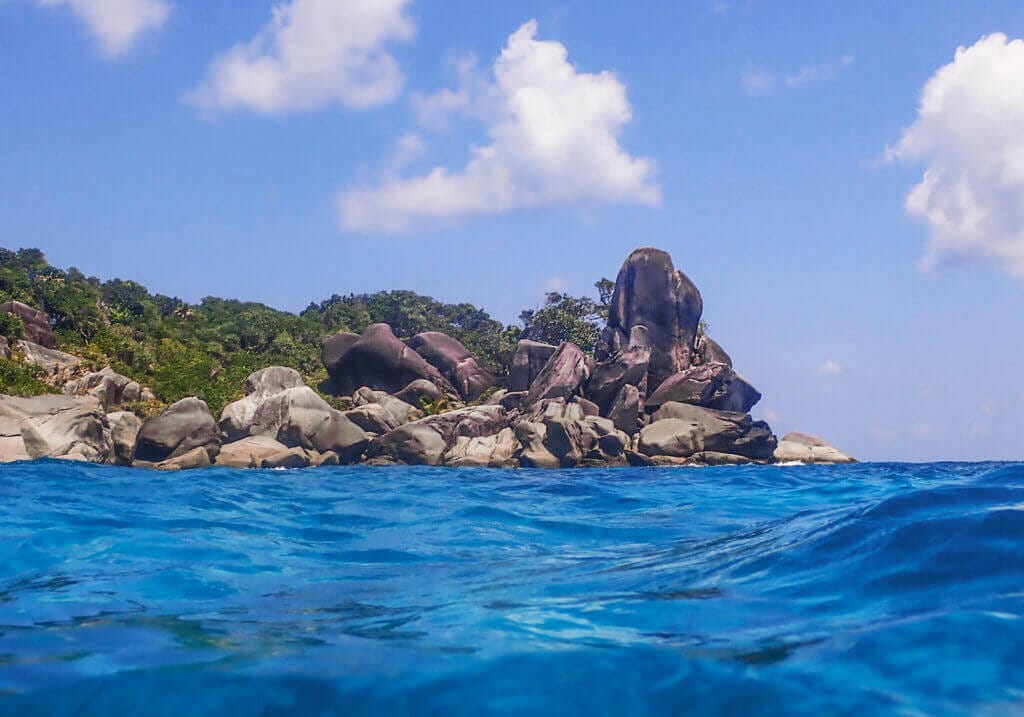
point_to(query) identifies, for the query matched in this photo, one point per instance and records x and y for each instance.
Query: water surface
(883, 589)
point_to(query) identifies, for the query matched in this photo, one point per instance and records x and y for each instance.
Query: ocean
(865, 589)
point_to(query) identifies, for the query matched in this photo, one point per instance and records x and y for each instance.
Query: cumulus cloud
(553, 138)
(969, 132)
(313, 53)
(760, 81)
(830, 367)
(116, 24)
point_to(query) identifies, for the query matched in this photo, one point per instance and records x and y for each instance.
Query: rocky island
(656, 391)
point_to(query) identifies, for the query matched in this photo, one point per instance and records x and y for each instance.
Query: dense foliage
(207, 349)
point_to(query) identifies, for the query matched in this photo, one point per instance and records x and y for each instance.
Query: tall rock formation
(650, 293)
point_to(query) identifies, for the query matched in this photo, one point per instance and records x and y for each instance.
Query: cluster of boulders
(658, 391)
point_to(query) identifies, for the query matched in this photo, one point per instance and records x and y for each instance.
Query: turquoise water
(881, 589)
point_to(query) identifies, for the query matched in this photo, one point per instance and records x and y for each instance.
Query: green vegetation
(208, 349)
(18, 379)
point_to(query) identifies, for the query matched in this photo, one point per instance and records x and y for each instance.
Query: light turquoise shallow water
(883, 589)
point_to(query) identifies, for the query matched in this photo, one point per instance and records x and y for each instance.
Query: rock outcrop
(627, 367)
(124, 431)
(803, 448)
(650, 293)
(460, 367)
(299, 418)
(382, 362)
(109, 387)
(713, 385)
(236, 420)
(37, 324)
(249, 452)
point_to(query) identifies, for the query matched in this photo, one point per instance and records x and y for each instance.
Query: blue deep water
(866, 589)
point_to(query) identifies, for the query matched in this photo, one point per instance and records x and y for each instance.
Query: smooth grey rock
(54, 426)
(626, 409)
(418, 392)
(712, 386)
(107, 386)
(124, 431)
(681, 430)
(372, 418)
(399, 412)
(236, 420)
(37, 324)
(190, 460)
(414, 444)
(381, 362)
(298, 417)
(249, 452)
(290, 458)
(528, 361)
(495, 451)
(649, 292)
(455, 362)
(564, 376)
(534, 453)
(184, 426)
(803, 448)
(627, 367)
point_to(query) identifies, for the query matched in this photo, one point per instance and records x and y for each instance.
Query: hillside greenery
(207, 349)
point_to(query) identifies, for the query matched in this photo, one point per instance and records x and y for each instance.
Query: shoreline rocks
(658, 392)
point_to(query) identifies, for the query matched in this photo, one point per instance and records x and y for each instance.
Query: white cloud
(970, 133)
(313, 53)
(760, 81)
(553, 139)
(116, 24)
(830, 367)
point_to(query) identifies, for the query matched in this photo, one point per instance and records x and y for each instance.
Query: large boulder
(298, 417)
(381, 362)
(59, 367)
(565, 375)
(650, 293)
(803, 448)
(497, 451)
(124, 431)
(528, 361)
(37, 323)
(332, 349)
(627, 367)
(249, 452)
(182, 428)
(236, 420)
(455, 362)
(713, 385)
(54, 426)
(682, 430)
(398, 411)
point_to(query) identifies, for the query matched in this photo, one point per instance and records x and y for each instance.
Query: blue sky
(201, 149)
